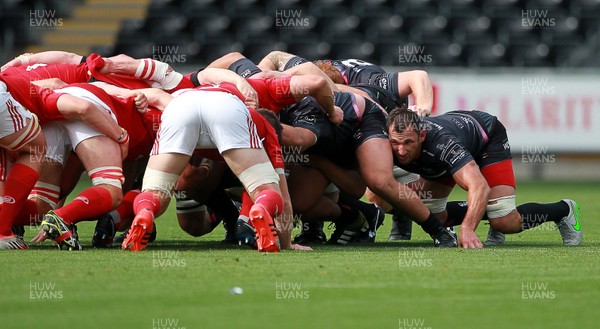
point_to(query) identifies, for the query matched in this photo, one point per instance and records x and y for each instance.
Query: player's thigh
(99, 151)
(241, 159)
(172, 163)
(376, 162)
(305, 195)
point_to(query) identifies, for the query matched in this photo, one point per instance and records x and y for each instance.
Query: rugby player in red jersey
(185, 127)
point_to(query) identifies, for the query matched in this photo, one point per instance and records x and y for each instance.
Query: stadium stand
(476, 33)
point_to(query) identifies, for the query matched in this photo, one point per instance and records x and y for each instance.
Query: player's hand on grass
(468, 239)
(337, 117)
(300, 247)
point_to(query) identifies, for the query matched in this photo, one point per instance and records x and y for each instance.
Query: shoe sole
(266, 236)
(137, 239)
(14, 245)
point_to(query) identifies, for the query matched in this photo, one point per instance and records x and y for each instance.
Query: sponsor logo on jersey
(8, 199)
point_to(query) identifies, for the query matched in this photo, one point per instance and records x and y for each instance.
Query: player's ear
(422, 135)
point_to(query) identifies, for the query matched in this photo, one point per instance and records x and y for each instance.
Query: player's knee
(436, 206)
(379, 186)
(501, 207)
(507, 224)
(116, 194)
(372, 197)
(112, 179)
(159, 181)
(254, 177)
(191, 225)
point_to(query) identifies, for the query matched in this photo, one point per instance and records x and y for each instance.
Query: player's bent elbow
(317, 83)
(76, 108)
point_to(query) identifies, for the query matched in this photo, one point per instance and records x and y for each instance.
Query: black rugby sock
(432, 225)
(534, 214)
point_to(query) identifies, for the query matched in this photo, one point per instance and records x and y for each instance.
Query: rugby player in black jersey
(471, 149)
(356, 72)
(361, 138)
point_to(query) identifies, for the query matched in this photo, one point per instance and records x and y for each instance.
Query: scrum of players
(260, 148)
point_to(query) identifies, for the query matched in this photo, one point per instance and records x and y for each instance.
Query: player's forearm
(477, 198)
(217, 75)
(122, 64)
(296, 136)
(113, 90)
(46, 57)
(276, 60)
(157, 98)
(422, 91)
(102, 122)
(310, 69)
(322, 92)
(55, 57)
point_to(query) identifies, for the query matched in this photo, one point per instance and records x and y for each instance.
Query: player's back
(357, 71)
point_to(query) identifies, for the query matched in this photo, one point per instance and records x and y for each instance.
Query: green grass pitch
(184, 282)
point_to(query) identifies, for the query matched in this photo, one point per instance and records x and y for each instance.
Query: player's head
(406, 134)
(333, 73)
(273, 121)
